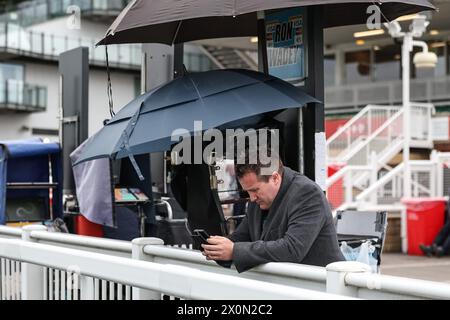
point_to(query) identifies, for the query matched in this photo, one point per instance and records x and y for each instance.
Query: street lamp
(421, 59)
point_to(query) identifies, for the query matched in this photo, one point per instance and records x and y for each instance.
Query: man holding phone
(288, 220)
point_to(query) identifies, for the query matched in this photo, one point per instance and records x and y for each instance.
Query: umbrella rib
(176, 31)
(196, 89)
(124, 141)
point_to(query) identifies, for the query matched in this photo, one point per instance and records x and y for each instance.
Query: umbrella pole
(263, 65)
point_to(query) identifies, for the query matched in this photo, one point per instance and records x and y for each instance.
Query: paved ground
(418, 267)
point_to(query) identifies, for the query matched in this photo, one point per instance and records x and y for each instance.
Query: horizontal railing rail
(175, 280)
(37, 11)
(10, 232)
(398, 287)
(307, 277)
(347, 98)
(31, 269)
(19, 95)
(17, 40)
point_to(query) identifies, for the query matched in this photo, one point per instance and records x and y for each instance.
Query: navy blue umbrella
(216, 98)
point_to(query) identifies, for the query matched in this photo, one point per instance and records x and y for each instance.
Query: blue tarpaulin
(29, 161)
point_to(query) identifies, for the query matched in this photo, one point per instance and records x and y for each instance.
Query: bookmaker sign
(285, 44)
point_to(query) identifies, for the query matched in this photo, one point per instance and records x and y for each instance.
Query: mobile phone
(202, 236)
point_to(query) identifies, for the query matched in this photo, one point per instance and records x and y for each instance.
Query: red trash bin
(84, 227)
(424, 219)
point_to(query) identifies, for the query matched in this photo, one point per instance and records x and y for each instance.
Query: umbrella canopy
(176, 21)
(216, 98)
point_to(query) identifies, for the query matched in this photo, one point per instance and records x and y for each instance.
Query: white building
(358, 70)
(34, 33)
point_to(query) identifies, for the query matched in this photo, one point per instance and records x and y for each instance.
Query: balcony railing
(16, 40)
(20, 96)
(341, 99)
(37, 11)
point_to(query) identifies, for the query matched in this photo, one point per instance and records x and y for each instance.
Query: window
(137, 86)
(357, 66)
(195, 62)
(387, 63)
(329, 69)
(11, 72)
(11, 83)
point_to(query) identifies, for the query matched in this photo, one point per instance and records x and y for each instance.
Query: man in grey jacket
(288, 220)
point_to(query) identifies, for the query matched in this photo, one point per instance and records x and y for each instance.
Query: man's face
(261, 192)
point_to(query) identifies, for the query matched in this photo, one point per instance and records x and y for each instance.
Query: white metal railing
(426, 181)
(10, 279)
(360, 127)
(339, 186)
(374, 150)
(347, 97)
(380, 140)
(144, 276)
(155, 270)
(15, 39)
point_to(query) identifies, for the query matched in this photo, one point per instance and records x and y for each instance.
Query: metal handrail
(342, 172)
(357, 117)
(175, 280)
(83, 241)
(385, 179)
(375, 133)
(398, 285)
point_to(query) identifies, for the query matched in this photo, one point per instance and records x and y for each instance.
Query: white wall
(122, 89)
(12, 125)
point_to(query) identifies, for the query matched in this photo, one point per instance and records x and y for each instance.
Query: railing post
(348, 187)
(373, 175)
(336, 273)
(87, 288)
(42, 44)
(430, 111)
(137, 253)
(434, 189)
(403, 230)
(32, 276)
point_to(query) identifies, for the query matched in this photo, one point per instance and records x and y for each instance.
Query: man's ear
(276, 176)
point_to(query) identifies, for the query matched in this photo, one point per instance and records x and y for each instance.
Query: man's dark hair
(249, 166)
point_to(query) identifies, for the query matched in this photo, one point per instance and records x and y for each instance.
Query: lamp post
(422, 59)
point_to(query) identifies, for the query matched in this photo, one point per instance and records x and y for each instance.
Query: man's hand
(218, 248)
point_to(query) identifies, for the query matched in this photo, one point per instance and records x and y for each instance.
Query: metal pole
(406, 49)
(263, 65)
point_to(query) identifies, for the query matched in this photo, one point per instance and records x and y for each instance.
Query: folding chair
(357, 227)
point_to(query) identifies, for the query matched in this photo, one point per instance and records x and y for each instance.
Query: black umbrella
(216, 98)
(176, 21)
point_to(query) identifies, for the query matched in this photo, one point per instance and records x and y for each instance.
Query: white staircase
(363, 148)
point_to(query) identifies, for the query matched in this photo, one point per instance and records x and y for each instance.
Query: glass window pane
(11, 72)
(388, 63)
(357, 66)
(329, 69)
